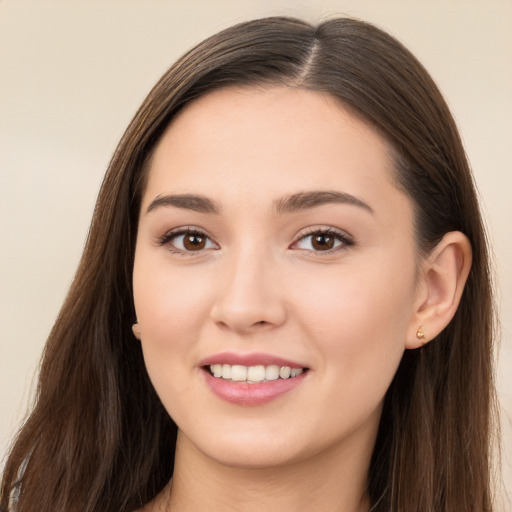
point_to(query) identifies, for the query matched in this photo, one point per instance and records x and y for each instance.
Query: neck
(327, 482)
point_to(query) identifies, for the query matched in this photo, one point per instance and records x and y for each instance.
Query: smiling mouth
(253, 374)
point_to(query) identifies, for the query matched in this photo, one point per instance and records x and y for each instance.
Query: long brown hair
(98, 437)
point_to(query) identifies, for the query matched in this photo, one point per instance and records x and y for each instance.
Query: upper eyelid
(322, 229)
(303, 233)
(179, 231)
(186, 229)
(345, 238)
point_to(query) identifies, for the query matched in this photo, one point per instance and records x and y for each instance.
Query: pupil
(323, 242)
(194, 242)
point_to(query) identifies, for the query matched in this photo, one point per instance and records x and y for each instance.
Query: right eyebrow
(193, 202)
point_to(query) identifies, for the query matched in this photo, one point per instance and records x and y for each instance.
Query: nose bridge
(248, 294)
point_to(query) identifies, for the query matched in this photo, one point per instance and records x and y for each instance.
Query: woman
(284, 300)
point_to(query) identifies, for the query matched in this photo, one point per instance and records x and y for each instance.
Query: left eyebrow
(313, 199)
(193, 202)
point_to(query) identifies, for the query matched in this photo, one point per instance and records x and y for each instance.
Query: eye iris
(193, 242)
(322, 242)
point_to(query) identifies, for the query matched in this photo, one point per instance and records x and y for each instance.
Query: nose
(250, 294)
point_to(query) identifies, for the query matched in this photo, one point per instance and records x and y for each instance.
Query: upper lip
(254, 359)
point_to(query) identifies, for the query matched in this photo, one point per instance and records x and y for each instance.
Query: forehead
(251, 111)
(268, 142)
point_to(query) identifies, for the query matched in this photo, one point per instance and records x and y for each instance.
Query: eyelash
(168, 237)
(341, 237)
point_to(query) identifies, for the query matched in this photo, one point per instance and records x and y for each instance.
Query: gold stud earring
(421, 335)
(136, 330)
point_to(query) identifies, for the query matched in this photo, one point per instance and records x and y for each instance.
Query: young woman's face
(273, 242)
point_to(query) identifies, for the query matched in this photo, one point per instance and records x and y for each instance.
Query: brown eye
(194, 242)
(187, 240)
(322, 241)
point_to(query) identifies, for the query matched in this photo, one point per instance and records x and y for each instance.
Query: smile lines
(253, 374)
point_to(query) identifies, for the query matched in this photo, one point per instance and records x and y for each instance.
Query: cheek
(167, 297)
(171, 305)
(358, 317)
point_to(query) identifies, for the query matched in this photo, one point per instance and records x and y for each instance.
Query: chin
(251, 451)
(258, 459)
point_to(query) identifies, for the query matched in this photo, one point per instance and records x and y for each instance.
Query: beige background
(72, 74)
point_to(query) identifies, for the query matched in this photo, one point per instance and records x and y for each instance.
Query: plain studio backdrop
(72, 75)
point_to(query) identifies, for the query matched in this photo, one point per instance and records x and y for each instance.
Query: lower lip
(243, 393)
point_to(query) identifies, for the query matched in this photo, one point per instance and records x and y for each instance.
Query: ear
(443, 276)
(136, 330)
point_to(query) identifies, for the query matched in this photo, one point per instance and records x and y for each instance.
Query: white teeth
(256, 373)
(253, 374)
(285, 372)
(238, 372)
(226, 371)
(216, 369)
(272, 372)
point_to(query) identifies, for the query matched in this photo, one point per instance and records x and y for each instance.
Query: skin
(259, 285)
